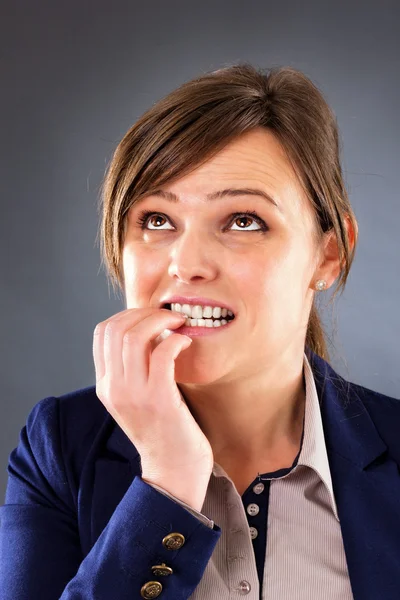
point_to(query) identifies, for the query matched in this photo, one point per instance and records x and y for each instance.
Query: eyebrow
(171, 197)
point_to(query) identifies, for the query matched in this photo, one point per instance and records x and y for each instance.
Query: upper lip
(196, 300)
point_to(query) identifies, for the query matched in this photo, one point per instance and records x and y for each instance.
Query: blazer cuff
(193, 511)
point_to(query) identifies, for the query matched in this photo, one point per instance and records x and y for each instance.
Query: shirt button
(253, 509)
(253, 533)
(244, 587)
(151, 589)
(173, 541)
(258, 488)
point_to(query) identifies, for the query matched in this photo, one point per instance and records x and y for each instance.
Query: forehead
(256, 157)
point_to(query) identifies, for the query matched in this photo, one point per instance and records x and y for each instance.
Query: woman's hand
(136, 384)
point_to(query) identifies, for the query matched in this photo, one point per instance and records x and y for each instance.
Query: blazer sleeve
(196, 513)
(40, 551)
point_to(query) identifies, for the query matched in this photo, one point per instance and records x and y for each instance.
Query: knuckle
(100, 392)
(110, 328)
(109, 393)
(99, 328)
(131, 337)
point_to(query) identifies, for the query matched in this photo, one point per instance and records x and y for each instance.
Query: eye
(249, 215)
(144, 217)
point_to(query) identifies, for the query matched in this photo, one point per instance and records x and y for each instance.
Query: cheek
(277, 284)
(132, 272)
(139, 277)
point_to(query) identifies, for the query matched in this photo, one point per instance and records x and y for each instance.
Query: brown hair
(192, 123)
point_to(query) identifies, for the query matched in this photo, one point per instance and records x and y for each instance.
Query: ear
(330, 267)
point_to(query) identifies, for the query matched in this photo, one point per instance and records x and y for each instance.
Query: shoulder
(348, 391)
(53, 445)
(82, 410)
(60, 433)
(79, 411)
(383, 410)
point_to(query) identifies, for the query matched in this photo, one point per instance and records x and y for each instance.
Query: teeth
(216, 312)
(201, 312)
(204, 323)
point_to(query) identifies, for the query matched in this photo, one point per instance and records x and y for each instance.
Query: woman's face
(264, 269)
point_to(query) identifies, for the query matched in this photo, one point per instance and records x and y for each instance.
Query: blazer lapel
(366, 484)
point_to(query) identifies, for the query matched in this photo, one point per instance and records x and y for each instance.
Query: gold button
(161, 570)
(151, 589)
(173, 541)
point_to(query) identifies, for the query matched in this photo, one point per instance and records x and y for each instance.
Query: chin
(199, 375)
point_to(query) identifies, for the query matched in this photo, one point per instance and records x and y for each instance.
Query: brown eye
(243, 219)
(155, 219)
(246, 217)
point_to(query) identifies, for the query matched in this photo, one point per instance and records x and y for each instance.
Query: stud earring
(320, 285)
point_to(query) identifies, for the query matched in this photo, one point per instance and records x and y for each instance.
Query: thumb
(162, 361)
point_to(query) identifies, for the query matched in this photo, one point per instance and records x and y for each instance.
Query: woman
(218, 454)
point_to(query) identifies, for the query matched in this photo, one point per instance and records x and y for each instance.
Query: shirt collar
(313, 453)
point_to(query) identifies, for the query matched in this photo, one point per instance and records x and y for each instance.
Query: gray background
(75, 75)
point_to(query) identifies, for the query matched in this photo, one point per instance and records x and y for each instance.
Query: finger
(100, 360)
(162, 362)
(137, 343)
(115, 329)
(98, 352)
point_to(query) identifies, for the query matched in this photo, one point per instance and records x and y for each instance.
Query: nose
(193, 256)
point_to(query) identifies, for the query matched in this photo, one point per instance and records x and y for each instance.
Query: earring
(320, 285)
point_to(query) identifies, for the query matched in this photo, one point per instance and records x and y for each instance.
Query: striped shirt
(281, 540)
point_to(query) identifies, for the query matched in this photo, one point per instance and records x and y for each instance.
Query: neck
(246, 418)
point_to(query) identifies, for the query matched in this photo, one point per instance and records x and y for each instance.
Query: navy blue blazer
(79, 522)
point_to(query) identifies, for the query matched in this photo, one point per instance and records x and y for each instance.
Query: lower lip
(197, 331)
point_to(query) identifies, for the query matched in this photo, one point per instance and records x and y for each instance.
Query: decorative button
(151, 589)
(161, 570)
(258, 488)
(253, 533)
(253, 509)
(244, 587)
(173, 541)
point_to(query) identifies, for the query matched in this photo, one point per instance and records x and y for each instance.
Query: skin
(244, 386)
